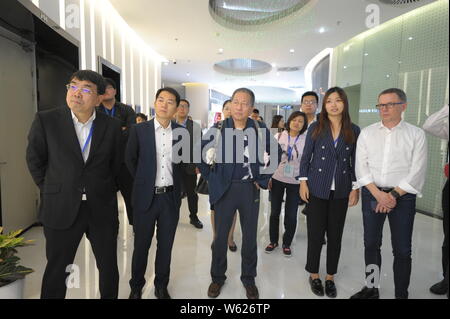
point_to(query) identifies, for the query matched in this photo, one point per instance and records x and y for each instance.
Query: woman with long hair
(278, 123)
(328, 185)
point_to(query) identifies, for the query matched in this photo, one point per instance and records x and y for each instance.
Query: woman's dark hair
(276, 120)
(324, 123)
(91, 76)
(293, 116)
(225, 103)
(142, 116)
(171, 91)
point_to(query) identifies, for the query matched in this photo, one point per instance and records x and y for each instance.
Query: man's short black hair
(248, 91)
(184, 100)
(91, 76)
(311, 93)
(256, 111)
(171, 91)
(109, 81)
(400, 93)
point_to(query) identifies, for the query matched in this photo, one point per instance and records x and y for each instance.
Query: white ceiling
(184, 30)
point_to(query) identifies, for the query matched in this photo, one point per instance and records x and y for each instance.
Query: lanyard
(111, 112)
(335, 142)
(290, 148)
(88, 140)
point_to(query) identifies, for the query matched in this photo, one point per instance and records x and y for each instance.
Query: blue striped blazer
(321, 161)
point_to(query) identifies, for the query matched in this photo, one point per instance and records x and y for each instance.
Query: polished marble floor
(278, 276)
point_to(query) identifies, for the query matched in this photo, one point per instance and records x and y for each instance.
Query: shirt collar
(398, 126)
(158, 126)
(75, 119)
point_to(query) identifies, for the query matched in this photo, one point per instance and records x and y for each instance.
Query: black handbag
(202, 186)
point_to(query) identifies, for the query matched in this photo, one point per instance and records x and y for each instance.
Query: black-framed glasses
(387, 105)
(74, 88)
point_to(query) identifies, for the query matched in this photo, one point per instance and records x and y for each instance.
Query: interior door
(19, 195)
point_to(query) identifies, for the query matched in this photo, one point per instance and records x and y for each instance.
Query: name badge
(288, 171)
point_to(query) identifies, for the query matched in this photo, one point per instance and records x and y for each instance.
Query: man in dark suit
(74, 155)
(189, 171)
(127, 117)
(156, 194)
(235, 171)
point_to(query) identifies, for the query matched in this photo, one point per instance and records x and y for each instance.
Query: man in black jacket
(190, 171)
(127, 117)
(74, 154)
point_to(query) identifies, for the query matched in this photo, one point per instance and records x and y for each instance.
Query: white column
(198, 96)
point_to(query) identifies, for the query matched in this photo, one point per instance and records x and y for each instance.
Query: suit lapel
(150, 138)
(69, 135)
(100, 125)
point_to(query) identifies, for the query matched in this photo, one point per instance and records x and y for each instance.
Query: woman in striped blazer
(328, 184)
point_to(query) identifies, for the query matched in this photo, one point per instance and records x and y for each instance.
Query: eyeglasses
(74, 88)
(309, 103)
(387, 105)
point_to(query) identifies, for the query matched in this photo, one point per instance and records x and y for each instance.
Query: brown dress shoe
(252, 292)
(214, 290)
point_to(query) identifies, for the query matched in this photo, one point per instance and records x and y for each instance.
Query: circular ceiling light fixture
(251, 12)
(243, 67)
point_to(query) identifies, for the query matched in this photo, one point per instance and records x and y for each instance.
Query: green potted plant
(11, 273)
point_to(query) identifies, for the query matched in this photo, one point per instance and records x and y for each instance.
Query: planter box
(13, 290)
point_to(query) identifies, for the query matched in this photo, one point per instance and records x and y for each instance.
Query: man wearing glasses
(391, 163)
(127, 117)
(74, 155)
(310, 100)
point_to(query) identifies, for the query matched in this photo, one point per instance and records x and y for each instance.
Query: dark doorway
(109, 70)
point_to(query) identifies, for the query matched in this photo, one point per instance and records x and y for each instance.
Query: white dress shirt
(392, 157)
(163, 141)
(437, 123)
(83, 131)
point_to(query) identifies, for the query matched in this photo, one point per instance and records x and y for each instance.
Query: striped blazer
(321, 161)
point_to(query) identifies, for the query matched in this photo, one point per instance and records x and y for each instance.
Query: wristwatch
(395, 194)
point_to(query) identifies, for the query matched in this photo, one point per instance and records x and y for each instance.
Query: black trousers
(244, 197)
(61, 248)
(290, 211)
(445, 247)
(163, 214)
(125, 183)
(189, 182)
(325, 216)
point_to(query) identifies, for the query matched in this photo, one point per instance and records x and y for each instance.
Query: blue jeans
(401, 221)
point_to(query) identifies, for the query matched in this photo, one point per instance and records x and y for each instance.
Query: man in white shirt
(391, 162)
(437, 125)
(156, 193)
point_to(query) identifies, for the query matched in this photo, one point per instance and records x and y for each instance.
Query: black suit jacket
(140, 157)
(56, 164)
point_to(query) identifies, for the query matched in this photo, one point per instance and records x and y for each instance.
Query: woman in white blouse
(292, 142)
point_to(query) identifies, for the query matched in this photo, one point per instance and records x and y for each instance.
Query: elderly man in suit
(156, 194)
(74, 155)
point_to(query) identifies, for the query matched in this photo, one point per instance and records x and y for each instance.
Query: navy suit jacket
(321, 161)
(219, 179)
(140, 157)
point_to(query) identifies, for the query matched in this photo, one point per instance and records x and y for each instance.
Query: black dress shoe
(367, 293)
(197, 223)
(441, 288)
(135, 294)
(252, 292)
(214, 289)
(233, 247)
(330, 289)
(316, 287)
(162, 293)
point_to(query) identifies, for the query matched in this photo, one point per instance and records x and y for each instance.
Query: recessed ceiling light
(410, 38)
(322, 30)
(366, 54)
(292, 50)
(188, 74)
(220, 51)
(166, 63)
(345, 66)
(274, 65)
(388, 76)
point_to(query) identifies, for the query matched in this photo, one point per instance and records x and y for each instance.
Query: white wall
(102, 32)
